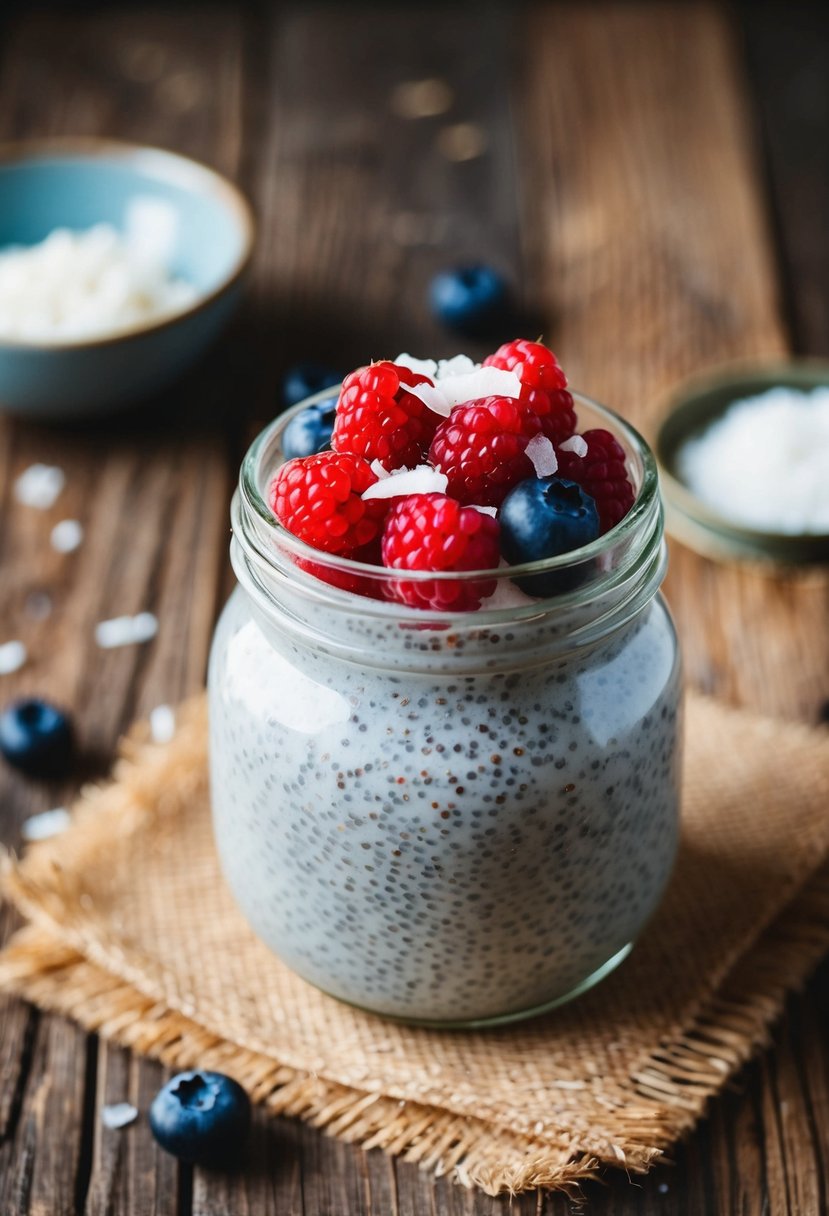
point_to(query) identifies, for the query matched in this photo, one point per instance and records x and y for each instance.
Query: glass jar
(453, 819)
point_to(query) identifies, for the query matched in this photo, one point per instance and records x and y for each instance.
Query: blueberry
(202, 1118)
(305, 379)
(36, 737)
(469, 299)
(544, 517)
(310, 430)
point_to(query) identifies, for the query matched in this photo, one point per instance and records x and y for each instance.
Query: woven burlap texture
(132, 931)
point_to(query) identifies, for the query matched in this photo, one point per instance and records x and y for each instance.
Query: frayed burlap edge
(670, 1088)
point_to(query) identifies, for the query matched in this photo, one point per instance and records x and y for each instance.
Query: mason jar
(457, 819)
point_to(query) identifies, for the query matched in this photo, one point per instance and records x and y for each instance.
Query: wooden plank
(271, 1182)
(151, 492)
(128, 1172)
(41, 1166)
(654, 260)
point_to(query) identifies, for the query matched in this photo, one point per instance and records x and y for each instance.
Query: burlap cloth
(132, 932)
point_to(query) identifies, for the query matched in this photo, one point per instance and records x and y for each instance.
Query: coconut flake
(162, 723)
(423, 367)
(39, 486)
(485, 382)
(542, 454)
(421, 480)
(46, 824)
(12, 657)
(126, 630)
(118, 1114)
(379, 470)
(458, 365)
(431, 396)
(67, 536)
(493, 511)
(575, 444)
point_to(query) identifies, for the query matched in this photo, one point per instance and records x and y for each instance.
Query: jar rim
(254, 502)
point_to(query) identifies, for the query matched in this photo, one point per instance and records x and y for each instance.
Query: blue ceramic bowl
(76, 184)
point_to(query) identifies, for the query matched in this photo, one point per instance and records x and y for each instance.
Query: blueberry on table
(310, 431)
(469, 299)
(36, 737)
(305, 379)
(202, 1118)
(544, 517)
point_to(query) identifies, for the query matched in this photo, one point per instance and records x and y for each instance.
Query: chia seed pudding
(448, 819)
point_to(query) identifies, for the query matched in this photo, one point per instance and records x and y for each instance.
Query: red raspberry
(378, 420)
(433, 532)
(317, 498)
(543, 385)
(480, 448)
(602, 474)
(357, 584)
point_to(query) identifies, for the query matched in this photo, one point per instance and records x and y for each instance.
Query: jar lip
(647, 494)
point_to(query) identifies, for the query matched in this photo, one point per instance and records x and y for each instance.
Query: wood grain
(619, 183)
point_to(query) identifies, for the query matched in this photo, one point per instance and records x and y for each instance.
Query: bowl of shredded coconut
(119, 264)
(744, 463)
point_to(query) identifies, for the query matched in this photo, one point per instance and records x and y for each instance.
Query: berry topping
(469, 299)
(202, 1118)
(309, 431)
(480, 447)
(544, 517)
(601, 472)
(433, 532)
(379, 420)
(317, 498)
(36, 737)
(543, 384)
(305, 379)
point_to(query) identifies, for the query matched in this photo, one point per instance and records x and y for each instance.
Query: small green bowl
(689, 411)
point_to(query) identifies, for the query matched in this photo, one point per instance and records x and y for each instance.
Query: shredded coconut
(765, 463)
(126, 630)
(118, 1114)
(458, 365)
(46, 824)
(423, 367)
(162, 723)
(575, 444)
(421, 480)
(67, 536)
(378, 469)
(12, 657)
(39, 486)
(455, 389)
(76, 285)
(493, 511)
(541, 453)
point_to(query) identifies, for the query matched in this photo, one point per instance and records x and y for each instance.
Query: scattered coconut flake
(12, 657)
(424, 367)
(378, 469)
(67, 536)
(542, 454)
(46, 824)
(118, 1114)
(421, 480)
(39, 486)
(780, 482)
(162, 723)
(493, 511)
(126, 630)
(575, 444)
(458, 365)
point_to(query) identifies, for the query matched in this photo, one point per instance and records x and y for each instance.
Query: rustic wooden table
(653, 177)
